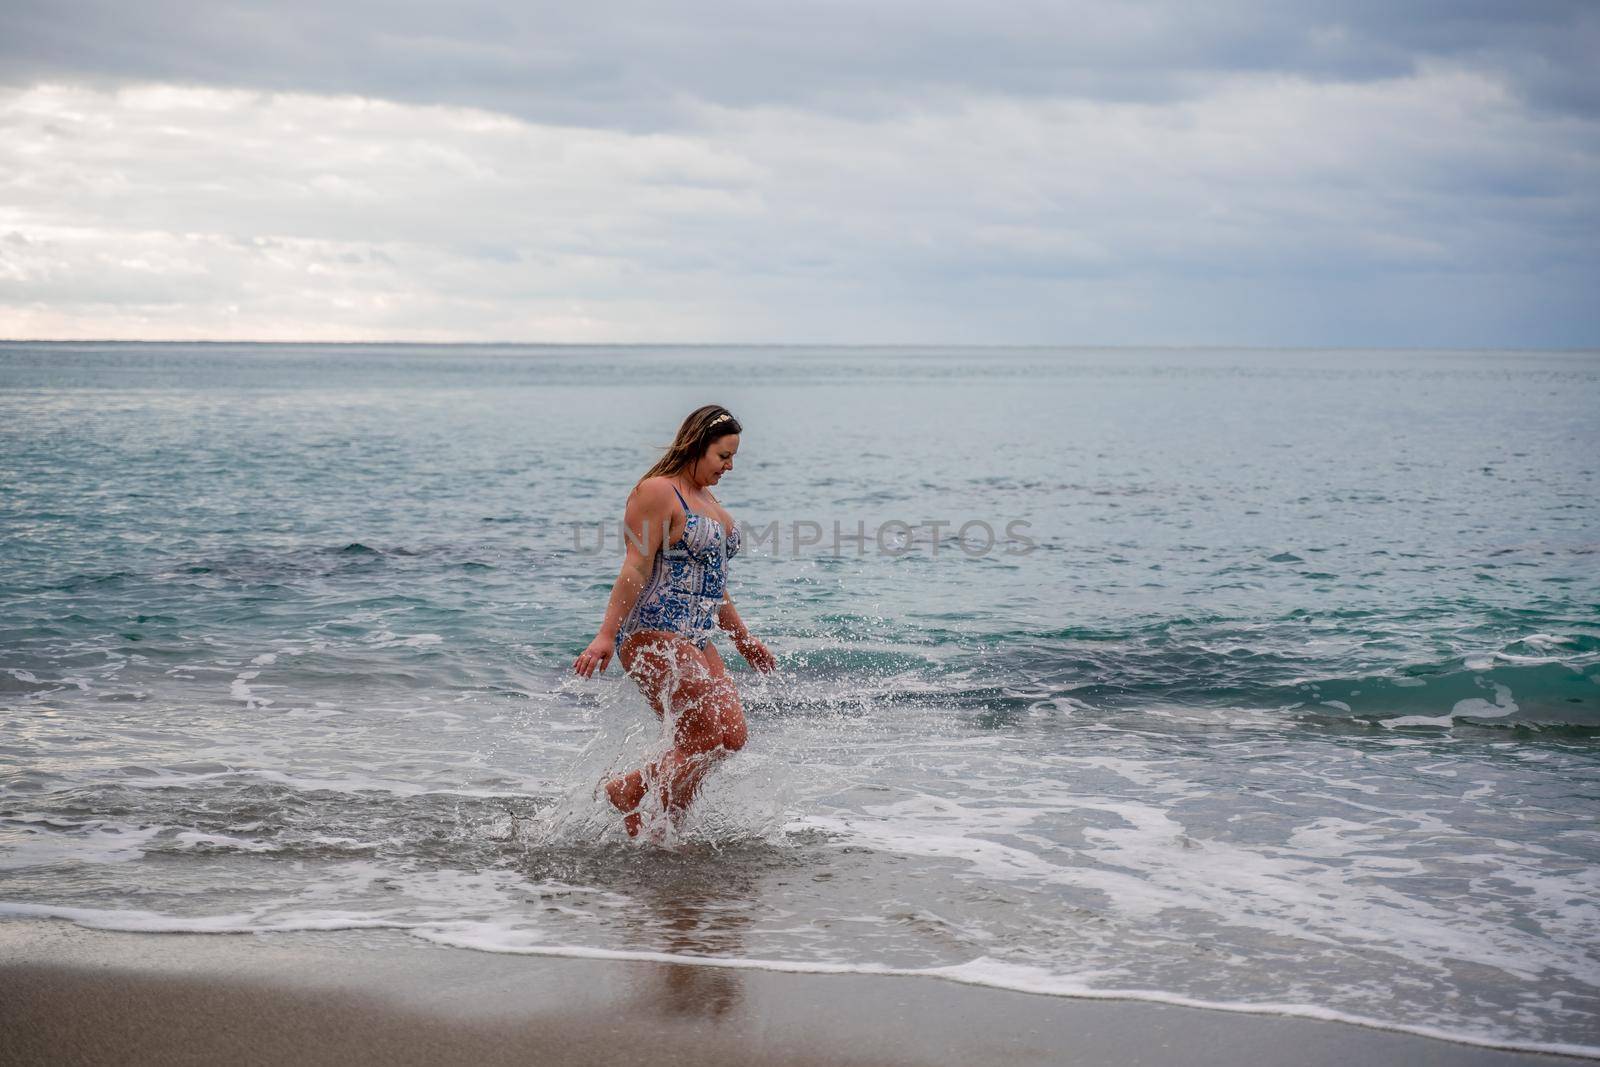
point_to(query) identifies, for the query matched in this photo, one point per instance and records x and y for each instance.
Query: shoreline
(69, 994)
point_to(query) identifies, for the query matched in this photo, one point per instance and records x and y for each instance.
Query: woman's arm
(648, 520)
(751, 649)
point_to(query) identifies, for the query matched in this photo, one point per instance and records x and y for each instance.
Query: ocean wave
(1539, 681)
(1460, 691)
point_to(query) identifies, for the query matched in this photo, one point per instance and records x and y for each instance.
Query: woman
(659, 621)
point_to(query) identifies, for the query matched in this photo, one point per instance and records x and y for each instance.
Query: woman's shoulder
(656, 485)
(653, 492)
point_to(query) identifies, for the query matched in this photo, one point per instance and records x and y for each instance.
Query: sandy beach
(69, 995)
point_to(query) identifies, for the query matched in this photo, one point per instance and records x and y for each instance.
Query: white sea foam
(98, 841)
(192, 840)
(242, 691)
(1328, 884)
(139, 921)
(351, 784)
(1475, 707)
(1482, 709)
(1545, 641)
(389, 639)
(1445, 721)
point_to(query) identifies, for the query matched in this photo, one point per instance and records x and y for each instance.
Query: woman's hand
(595, 657)
(755, 653)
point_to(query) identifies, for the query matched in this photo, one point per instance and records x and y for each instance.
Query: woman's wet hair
(703, 426)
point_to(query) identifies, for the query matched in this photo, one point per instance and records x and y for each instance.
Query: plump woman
(670, 597)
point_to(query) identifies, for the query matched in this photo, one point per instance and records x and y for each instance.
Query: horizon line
(1208, 346)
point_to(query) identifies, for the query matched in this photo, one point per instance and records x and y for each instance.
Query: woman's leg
(731, 711)
(690, 688)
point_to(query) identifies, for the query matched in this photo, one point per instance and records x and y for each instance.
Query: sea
(1259, 680)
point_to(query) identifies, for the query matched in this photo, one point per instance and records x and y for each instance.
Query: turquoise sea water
(1284, 695)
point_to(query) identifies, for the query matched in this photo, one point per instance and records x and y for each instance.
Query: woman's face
(717, 461)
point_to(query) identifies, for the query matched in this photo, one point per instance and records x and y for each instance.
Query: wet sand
(73, 996)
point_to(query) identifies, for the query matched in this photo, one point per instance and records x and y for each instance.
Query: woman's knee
(712, 720)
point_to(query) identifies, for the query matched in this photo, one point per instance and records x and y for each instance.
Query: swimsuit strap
(682, 501)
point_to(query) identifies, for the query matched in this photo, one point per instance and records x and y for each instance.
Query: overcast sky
(1363, 174)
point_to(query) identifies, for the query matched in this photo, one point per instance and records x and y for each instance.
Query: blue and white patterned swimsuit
(687, 582)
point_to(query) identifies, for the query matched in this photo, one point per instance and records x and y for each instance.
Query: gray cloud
(635, 65)
(883, 171)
